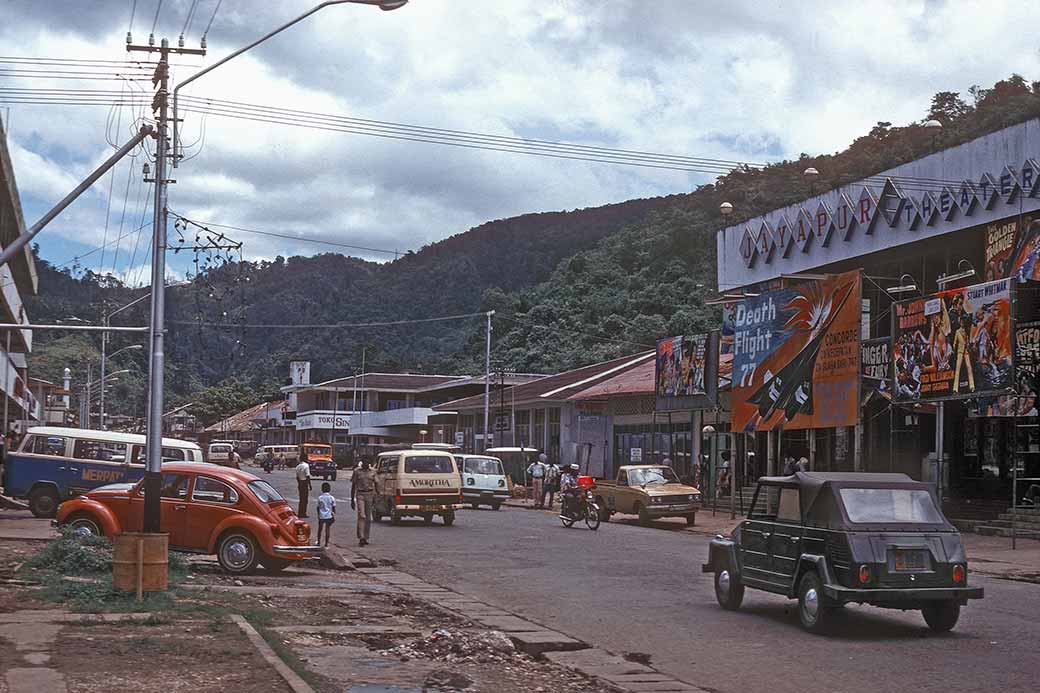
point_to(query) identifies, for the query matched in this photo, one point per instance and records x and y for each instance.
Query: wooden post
(140, 569)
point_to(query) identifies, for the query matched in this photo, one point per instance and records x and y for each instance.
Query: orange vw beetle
(206, 508)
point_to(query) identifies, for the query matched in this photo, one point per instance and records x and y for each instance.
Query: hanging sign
(953, 344)
(796, 356)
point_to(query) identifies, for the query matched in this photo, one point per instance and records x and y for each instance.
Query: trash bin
(140, 562)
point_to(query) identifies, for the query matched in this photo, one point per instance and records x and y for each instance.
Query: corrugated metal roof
(243, 420)
(634, 381)
(552, 388)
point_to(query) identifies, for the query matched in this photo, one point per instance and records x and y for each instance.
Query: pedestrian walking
(536, 471)
(362, 493)
(236, 459)
(552, 482)
(303, 483)
(326, 511)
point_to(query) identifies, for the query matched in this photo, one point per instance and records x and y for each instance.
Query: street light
(385, 5)
(725, 209)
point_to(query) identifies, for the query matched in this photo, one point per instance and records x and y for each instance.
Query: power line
(155, 21)
(304, 239)
(565, 330)
(325, 325)
(212, 17)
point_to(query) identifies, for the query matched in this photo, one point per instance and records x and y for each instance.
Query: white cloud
(745, 81)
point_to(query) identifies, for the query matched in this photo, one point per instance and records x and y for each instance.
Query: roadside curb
(291, 677)
(532, 638)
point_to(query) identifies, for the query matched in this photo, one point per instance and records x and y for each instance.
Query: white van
(280, 455)
(417, 483)
(483, 480)
(221, 452)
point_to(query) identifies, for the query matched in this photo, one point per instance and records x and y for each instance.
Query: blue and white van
(483, 480)
(53, 464)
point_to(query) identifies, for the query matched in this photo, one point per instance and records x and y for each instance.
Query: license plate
(910, 559)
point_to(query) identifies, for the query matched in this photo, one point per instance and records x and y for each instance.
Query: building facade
(18, 279)
(948, 222)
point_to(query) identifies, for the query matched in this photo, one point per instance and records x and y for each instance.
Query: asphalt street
(631, 589)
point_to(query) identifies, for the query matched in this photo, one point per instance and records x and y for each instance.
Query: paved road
(631, 589)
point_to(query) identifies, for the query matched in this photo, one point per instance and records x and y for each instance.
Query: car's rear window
(220, 448)
(428, 465)
(884, 505)
(482, 465)
(264, 492)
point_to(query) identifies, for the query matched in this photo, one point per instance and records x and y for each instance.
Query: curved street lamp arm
(240, 51)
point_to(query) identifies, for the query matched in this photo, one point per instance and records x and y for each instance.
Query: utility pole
(487, 380)
(153, 431)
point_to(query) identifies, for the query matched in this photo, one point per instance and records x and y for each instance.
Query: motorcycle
(268, 464)
(584, 506)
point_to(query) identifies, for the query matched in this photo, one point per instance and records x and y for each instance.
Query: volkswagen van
(483, 480)
(55, 463)
(417, 483)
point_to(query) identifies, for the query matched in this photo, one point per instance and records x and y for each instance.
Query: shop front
(947, 249)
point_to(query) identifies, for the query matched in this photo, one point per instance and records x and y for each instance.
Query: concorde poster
(796, 356)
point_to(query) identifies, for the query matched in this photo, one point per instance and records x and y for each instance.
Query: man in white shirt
(303, 483)
(537, 471)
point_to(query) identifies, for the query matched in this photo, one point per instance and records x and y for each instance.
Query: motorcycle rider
(569, 488)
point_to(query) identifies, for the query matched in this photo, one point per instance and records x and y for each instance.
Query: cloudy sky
(747, 81)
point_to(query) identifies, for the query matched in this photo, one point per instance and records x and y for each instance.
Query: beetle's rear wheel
(237, 553)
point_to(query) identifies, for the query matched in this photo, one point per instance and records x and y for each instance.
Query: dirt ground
(178, 656)
(341, 630)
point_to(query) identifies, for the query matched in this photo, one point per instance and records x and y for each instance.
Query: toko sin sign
(800, 229)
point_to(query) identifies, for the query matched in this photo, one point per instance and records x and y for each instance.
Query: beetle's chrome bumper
(314, 550)
(899, 595)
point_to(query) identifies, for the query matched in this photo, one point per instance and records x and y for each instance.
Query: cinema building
(842, 349)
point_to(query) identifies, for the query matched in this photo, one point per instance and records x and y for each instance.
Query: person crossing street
(303, 484)
(362, 493)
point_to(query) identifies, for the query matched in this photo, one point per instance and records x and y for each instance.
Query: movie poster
(1027, 372)
(876, 363)
(1013, 249)
(680, 365)
(956, 343)
(687, 371)
(726, 349)
(796, 356)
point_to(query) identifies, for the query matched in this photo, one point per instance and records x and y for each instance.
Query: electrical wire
(187, 21)
(303, 239)
(212, 17)
(133, 11)
(155, 21)
(564, 330)
(325, 325)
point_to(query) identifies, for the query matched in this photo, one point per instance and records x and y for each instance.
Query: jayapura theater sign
(850, 214)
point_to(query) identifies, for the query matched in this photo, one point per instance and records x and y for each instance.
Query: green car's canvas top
(862, 500)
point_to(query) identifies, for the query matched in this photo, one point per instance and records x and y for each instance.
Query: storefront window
(523, 428)
(554, 435)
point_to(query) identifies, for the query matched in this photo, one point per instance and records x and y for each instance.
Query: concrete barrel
(140, 562)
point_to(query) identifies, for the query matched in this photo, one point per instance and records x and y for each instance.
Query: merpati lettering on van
(55, 463)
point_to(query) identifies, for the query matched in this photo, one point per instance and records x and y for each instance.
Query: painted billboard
(953, 344)
(876, 363)
(686, 373)
(796, 356)
(1027, 375)
(1013, 249)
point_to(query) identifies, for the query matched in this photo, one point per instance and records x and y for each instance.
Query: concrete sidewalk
(21, 525)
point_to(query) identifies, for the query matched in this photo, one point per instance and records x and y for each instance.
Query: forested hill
(568, 287)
